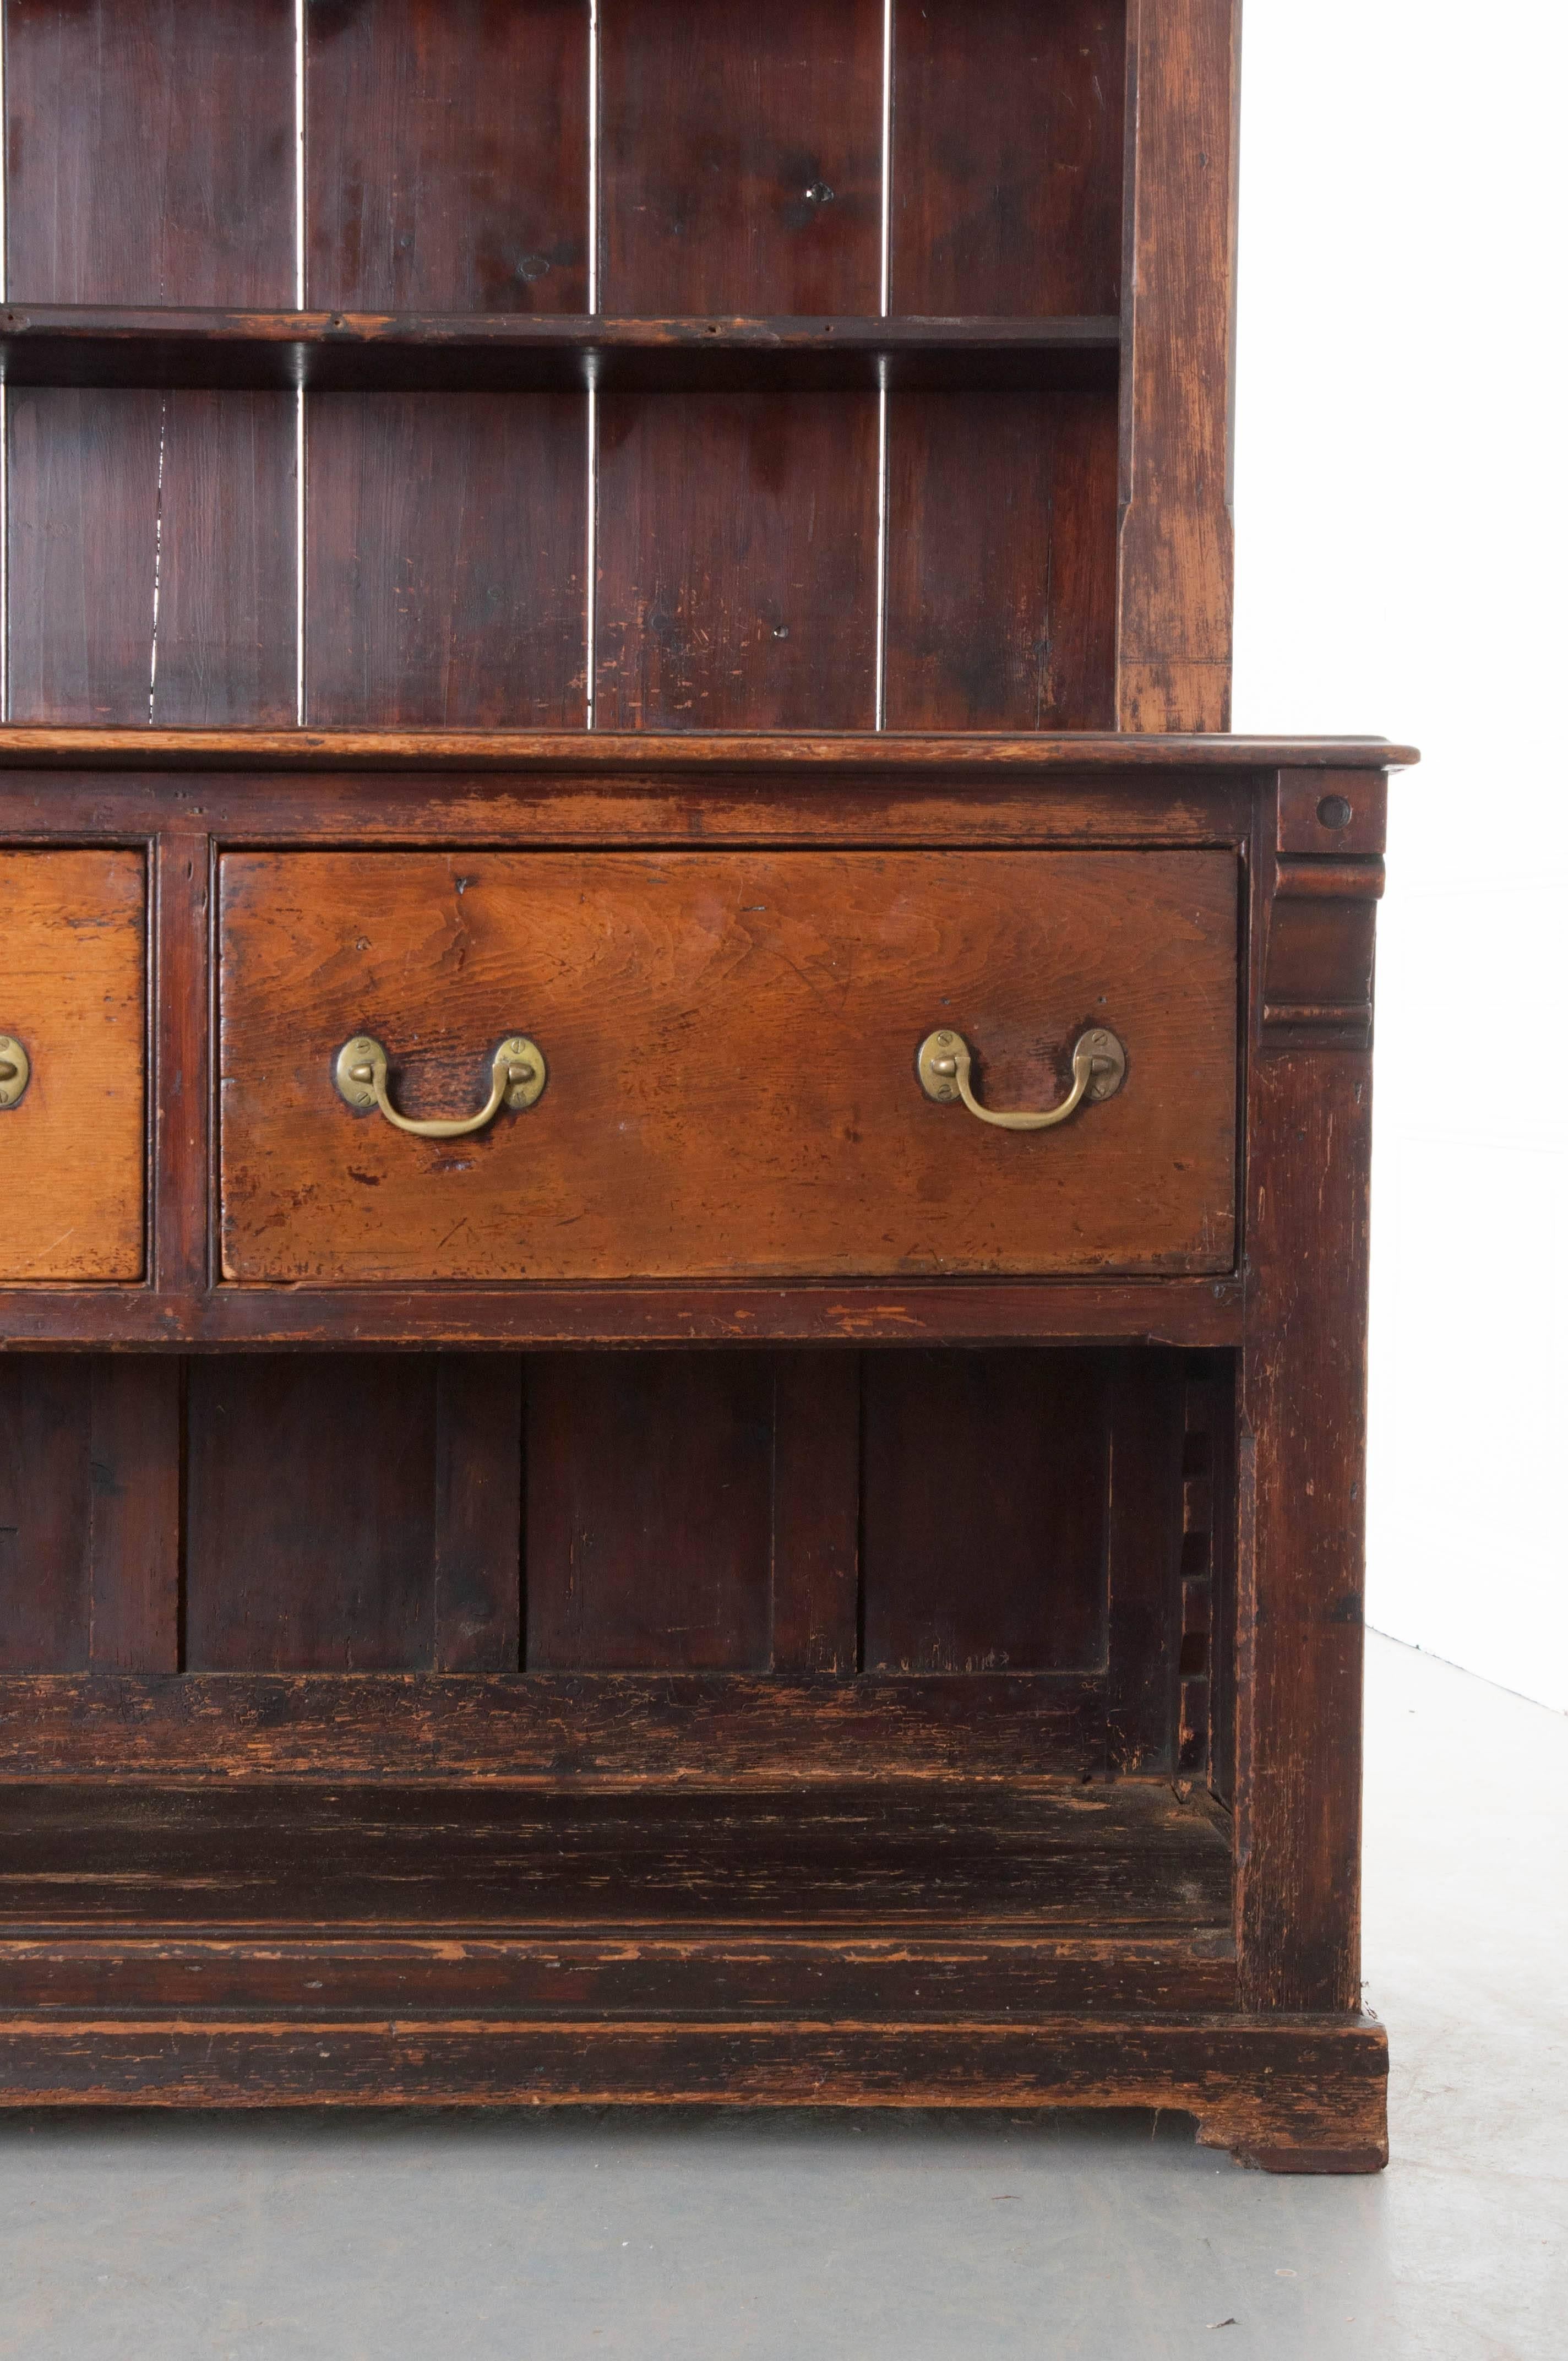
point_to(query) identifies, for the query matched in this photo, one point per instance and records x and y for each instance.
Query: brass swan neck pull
(1099, 1064)
(16, 1070)
(518, 1074)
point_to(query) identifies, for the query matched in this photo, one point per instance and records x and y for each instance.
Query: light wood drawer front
(731, 1041)
(74, 996)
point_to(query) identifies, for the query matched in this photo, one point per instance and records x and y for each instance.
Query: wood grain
(1160, 766)
(557, 1972)
(1304, 2095)
(964, 1573)
(444, 550)
(90, 1513)
(547, 352)
(1032, 1858)
(731, 1044)
(149, 152)
(446, 156)
(690, 1730)
(1176, 549)
(477, 1602)
(1001, 538)
(151, 554)
(1007, 157)
(737, 562)
(740, 175)
(73, 991)
(650, 1512)
(816, 1512)
(310, 1540)
(1301, 2095)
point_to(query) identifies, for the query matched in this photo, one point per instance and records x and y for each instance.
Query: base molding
(1287, 2094)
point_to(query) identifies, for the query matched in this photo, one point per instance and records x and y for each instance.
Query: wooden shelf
(333, 351)
(1128, 1856)
(836, 754)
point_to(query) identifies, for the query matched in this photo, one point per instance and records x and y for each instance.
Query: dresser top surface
(847, 751)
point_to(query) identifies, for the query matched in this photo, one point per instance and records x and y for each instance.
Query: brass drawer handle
(16, 1070)
(1099, 1065)
(518, 1074)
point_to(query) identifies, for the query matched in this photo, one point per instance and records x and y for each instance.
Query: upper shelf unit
(496, 352)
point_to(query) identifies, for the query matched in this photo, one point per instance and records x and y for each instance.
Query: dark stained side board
(731, 1041)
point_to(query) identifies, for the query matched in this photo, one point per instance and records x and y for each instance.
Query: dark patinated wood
(1000, 593)
(741, 177)
(444, 550)
(149, 152)
(839, 757)
(1303, 1413)
(136, 596)
(737, 1582)
(1289, 2095)
(446, 156)
(546, 352)
(738, 542)
(962, 1574)
(897, 1853)
(562, 1971)
(1007, 144)
(1175, 549)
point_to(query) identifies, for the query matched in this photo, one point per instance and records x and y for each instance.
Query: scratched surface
(72, 964)
(731, 1043)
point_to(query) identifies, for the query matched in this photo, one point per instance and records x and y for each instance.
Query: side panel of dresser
(1303, 1397)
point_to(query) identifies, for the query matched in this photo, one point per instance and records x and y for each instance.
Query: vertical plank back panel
(309, 1510)
(134, 1548)
(89, 1513)
(150, 152)
(816, 1512)
(1006, 191)
(151, 555)
(46, 1512)
(740, 157)
(648, 1513)
(446, 156)
(737, 561)
(1144, 1412)
(1000, 573)
(479, 1512)
(445, 560)
(984, 1511)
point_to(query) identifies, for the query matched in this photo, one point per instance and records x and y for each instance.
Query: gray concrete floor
(806, 2237)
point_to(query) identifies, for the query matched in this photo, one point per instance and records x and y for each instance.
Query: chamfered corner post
(1316, 876)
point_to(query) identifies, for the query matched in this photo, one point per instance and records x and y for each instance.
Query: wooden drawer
(72, 1013)
(731, 1041)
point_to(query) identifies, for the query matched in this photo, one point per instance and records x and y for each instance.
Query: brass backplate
(16, 1070)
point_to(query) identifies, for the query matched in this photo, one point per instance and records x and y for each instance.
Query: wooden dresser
(684, 1152)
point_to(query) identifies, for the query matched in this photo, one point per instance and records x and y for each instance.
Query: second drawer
(730, 1048)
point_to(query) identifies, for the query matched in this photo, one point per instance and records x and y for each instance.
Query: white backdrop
(1402, 537)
